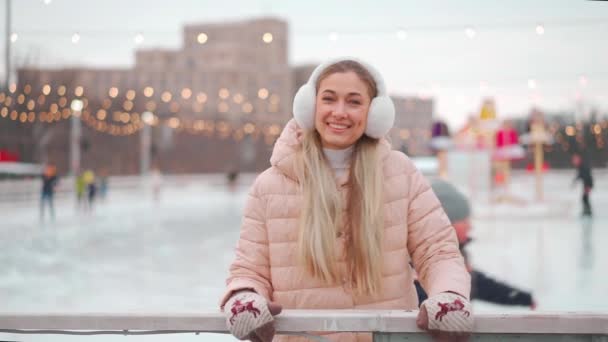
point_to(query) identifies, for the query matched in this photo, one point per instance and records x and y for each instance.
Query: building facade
(413, 121)
(216, 104)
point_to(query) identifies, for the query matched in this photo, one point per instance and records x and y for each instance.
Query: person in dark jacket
(584, 175)
(49, 182)
(483, 287)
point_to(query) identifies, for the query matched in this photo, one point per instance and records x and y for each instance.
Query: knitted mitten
(247, 312)
(449, 312)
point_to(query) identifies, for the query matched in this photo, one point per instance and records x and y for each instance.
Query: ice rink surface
(133, 254)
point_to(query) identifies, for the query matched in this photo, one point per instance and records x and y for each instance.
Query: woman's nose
(339, 109)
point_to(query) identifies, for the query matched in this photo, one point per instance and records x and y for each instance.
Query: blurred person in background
(49, 183)
(232, 177)
(324, 227)
(483, 287)
(156, 181)
(103, 184)
(583, 173)
(80, 187)
(91, 189)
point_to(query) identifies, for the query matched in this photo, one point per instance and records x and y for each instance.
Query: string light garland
(118, 114)
(129, 122)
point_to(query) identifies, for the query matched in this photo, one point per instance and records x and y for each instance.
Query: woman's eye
(355, 102)
(327, 99)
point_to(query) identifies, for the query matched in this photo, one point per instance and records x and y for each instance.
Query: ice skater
(584, 175)
(49, 183)
(483, 287)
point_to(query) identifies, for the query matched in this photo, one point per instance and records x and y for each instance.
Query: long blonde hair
(324, 210)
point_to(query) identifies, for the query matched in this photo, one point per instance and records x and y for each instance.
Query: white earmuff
(381, 115)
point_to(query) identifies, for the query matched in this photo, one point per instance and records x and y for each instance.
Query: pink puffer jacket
(416, 229)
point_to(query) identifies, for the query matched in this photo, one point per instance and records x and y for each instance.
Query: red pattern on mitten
(449, 312)
(246, 313)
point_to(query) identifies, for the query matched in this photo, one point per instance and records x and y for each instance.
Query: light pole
(539, 137)
(75, 133)
(538, 133)
(7, 47)
(145, 143)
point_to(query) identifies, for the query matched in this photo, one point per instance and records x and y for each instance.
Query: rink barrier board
(28, 190)
(387, 325)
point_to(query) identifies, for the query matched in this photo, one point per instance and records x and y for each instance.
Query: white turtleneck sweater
(339, 160)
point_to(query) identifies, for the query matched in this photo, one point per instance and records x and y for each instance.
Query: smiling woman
(342, 103)
(334, 222)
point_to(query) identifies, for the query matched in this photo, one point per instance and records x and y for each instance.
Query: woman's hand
(447, 317)
(250, 316)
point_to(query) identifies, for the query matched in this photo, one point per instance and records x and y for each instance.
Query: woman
(336, 219)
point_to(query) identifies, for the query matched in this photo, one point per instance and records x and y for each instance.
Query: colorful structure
(537, 138)
(441, 142)
(507, 149)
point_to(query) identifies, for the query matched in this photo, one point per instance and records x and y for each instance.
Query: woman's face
(341, 110)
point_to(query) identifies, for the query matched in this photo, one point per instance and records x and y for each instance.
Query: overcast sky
(505, 57)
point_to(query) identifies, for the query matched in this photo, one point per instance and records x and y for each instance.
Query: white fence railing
(386, 326)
